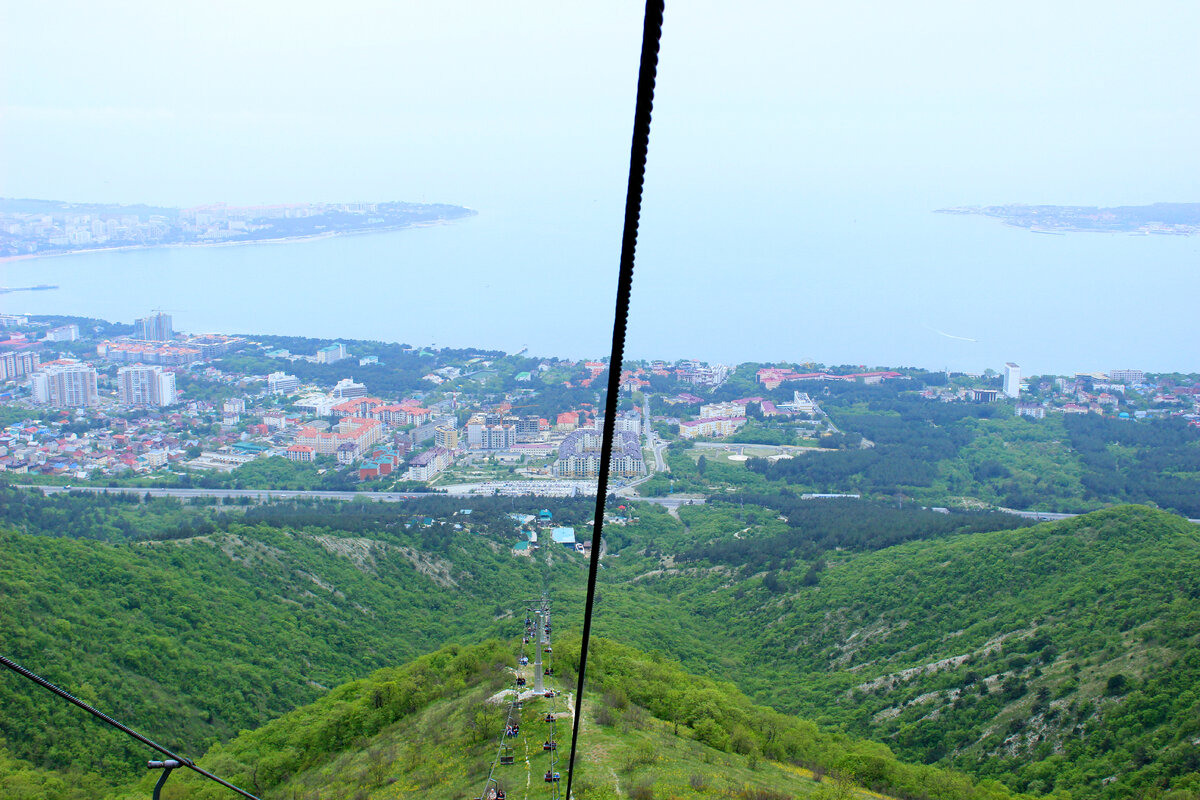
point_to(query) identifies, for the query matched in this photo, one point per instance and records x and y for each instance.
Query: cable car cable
(100, 715)
(639, 147)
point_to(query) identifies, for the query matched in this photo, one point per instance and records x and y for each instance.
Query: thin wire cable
(639, 148)
(100, 715)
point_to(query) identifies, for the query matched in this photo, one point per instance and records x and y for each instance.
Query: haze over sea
(796, 158)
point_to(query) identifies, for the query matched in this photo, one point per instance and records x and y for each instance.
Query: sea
(843, 281)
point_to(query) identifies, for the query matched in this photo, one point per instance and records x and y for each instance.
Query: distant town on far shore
(50, 227)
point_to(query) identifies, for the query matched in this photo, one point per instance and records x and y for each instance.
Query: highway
(285, 494)
(396, 497)
(740, 446)
(253, 494)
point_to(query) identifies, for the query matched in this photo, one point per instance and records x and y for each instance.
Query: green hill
(431, 727)
(1060, 656)
(198, 638)
(1053, 658)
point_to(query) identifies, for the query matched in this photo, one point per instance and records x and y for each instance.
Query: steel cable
(639, 149)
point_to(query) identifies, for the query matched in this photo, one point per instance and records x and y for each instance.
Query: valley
(1047, 658)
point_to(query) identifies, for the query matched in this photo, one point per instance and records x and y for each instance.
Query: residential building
(529, 429)
(332, 354)
(699, 374)
(319, 405)
(425, 466)
(146, 385)
(630, 422)
(446, 437)
(17, 364)
(146, 353)
(301, 453)
(579, 455)
(498, 437)
(564, 536)
(379, 463)
(214, 345)
(282, 383)
(358, 432)
(1127, 376)
(65, 383)
(491, 432)
(63, 333)
(801, 404)
(711, 426)
(357, 407)
(1012, 380)
(154, 328)
(399, 414)
(771, 377)
(347, 388)
(729, 409)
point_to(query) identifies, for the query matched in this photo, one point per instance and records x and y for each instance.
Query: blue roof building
(564, 536)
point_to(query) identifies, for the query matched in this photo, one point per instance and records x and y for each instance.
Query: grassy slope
(428, 730)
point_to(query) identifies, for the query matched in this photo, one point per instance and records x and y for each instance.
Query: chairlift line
(537, 612)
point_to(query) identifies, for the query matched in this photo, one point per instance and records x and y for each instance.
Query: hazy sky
(185, 102)
(766, 113)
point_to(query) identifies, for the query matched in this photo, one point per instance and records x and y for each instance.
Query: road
(740, 446)
(396, 497)
(253, 494)
(652, 438)
(1051, 516)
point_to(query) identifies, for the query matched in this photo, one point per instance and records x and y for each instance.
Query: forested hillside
(1061, 656)
(891, 441)
(197, 638)
(1053, 658)
(429, 729)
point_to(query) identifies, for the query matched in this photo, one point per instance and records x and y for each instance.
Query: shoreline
(238, 243)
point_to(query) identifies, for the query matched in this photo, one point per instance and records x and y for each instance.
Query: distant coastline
(231, 243)
(1174, 219)
(46, 228)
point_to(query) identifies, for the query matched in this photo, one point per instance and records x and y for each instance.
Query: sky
(769, 117)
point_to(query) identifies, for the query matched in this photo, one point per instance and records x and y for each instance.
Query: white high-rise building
(282, 383)
(1012, 380)
(65, 383)
(17, 363)
(1127, 375)
(143, 385)
(155, 328)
